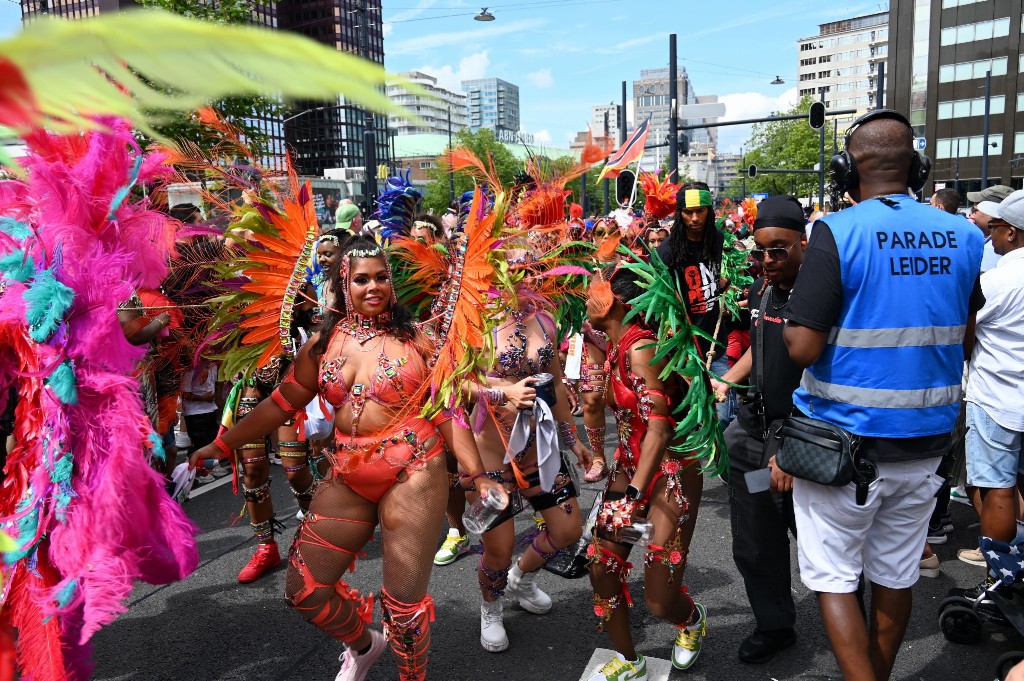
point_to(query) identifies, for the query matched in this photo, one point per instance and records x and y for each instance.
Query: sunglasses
(776, 254)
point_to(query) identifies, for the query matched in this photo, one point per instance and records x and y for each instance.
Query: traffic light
(816, 116)
(624, 186)
(684, 143)
(752, 171)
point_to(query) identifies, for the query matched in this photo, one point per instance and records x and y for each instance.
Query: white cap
(989, 208)
(1011, 209)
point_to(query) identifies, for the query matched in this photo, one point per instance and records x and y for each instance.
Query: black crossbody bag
(811, 449)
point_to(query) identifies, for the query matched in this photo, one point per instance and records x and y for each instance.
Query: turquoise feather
(15, 228)
(47, 300)
(63, 383)
(157, 445)
(18, 266)
(27, 528)
(65, 594)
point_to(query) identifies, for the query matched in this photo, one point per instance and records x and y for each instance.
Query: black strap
(759, 357)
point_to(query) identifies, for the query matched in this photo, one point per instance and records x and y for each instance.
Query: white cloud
(743, 105)
(541, 79)
(470, 68)
(542, 137)
(434, 41)
(387, 29)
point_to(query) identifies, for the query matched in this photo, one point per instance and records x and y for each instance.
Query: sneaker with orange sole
(266, 558)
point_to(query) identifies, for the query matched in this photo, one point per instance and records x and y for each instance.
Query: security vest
(893, 364)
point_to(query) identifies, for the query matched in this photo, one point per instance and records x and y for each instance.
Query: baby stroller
(998, 600)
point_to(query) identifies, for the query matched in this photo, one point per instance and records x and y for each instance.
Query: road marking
(208, 486)
(657, 670)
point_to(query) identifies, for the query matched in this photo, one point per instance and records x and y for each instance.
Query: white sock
(623, 658)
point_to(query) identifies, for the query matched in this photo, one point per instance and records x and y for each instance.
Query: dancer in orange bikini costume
(369, 361)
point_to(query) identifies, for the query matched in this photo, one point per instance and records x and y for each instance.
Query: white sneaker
(204, 479)
(523, 587)
(621, 669)
(299, 515)
(492, 629)
(959, 494)
(182, 440)
(354, 667)
(688, 641)
(219, 471)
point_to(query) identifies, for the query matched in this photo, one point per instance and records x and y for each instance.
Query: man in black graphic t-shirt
(761, 520)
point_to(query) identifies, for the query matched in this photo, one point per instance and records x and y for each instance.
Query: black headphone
(842, 171)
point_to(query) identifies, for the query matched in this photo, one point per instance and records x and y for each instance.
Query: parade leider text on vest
(915, 265)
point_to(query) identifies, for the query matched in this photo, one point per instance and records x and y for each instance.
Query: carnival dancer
(645, 485)
(368, 360)
(525, 346)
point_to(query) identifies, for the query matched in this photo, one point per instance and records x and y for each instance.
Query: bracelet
(567, 431)
(222, 446)
(493, 396)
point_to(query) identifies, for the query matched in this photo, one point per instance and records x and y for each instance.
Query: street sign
(759, 196)
(920, 143)
(706, 110)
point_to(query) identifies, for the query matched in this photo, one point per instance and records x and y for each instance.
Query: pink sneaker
(354, 667)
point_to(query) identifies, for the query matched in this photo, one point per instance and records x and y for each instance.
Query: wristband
(222, 446)
(567, 431)
(493, 396)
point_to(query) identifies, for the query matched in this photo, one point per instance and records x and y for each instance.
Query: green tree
(240, 111)
(785, 145)
(485, 146)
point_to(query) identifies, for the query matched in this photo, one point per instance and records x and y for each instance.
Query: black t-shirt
(781, 375)
(698, 278)
(816, 303)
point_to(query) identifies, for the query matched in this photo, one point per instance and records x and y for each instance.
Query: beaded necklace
(362, 328)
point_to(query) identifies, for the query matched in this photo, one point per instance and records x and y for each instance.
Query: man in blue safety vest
(886, 297)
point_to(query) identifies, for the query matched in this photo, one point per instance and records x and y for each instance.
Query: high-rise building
(320, 135)
(842, 62)
(330, 135)
(493, 103)
(604, 121)
(434, 109)
(937, 70)
(651, 99)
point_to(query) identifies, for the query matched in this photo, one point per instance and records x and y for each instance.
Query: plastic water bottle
(640, 532)
(484, 510)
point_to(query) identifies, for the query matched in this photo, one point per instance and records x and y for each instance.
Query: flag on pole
(630, 152)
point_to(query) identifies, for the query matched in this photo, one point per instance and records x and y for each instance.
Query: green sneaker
(620, 669)
(453, 545)
(688, 641)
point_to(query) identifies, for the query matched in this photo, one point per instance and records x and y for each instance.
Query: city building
(941, 54)
(493, 103)
(319, 135)
(842, 62)
(430, 110)
(651, 99)
(728, 169)
(330, 135)
(604, 121)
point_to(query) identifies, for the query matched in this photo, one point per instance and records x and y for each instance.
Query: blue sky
(566, 55)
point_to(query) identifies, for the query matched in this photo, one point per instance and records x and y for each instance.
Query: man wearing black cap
(761, 519)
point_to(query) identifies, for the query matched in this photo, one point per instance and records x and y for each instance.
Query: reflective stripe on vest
(877, 398)
(921, 336)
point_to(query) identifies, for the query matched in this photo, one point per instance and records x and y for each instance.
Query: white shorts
(883, 539)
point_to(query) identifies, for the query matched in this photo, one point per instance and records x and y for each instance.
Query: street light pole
(956, 176)
(984, 152)
(743, 170)
(607, 134)
(451, 170)
(673, 121)
(369, 133)
(821, 158)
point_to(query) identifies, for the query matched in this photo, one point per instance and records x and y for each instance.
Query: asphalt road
(208, 627)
